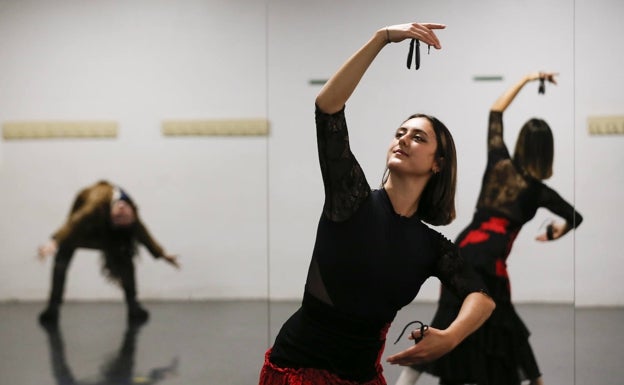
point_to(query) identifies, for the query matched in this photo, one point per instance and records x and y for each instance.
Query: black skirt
(499, 352)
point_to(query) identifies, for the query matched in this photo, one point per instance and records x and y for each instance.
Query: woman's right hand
(48, 249)
(434, 345)
(421, 31)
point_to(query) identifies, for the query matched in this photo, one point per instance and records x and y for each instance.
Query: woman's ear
(438, 165)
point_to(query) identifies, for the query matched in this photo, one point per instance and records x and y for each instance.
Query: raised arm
(505, 99)
(341, 85)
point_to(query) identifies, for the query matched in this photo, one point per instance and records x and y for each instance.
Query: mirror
(484, 40)
(203, 195)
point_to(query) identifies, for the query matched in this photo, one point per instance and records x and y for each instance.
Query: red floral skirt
(272, 374)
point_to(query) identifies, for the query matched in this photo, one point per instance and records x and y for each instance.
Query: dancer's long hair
(119, 248)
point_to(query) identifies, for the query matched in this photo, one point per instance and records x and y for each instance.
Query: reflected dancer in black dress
(118, 370)
(512, 191)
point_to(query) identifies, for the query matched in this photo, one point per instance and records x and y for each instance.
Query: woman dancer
(372, 250)
(105, 218)
(499, 353)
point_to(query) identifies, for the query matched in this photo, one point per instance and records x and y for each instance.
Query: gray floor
(224, 342)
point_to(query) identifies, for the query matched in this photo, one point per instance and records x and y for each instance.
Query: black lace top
(368, 261)
(509, 191)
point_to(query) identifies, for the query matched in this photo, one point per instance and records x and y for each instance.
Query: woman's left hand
(421, 31)
(558, 230)
(172, 260)
(435, 344)
(548, 76)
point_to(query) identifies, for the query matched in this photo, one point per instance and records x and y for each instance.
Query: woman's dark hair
(119, 249)
(535, 149)
(119, 246)
(437, 203)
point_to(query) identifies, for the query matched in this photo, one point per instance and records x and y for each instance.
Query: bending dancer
(512, 191)
(372, 250)
(102, 217)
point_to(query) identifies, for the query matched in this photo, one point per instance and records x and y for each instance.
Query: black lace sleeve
(345, 184)
(452, 270)
(502, 183)
(551, 200)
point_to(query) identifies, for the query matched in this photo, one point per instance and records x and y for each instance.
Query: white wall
(598, 160)
(138, 63)
(230, 217)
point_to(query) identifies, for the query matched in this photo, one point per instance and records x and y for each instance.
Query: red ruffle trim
(274, 375)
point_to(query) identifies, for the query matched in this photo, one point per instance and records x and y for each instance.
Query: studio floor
(219, 342)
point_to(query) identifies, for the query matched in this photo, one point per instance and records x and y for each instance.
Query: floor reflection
(184, 343)
(117, 369)
(223, 342)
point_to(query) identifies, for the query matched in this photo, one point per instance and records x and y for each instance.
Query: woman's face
(413, 149)
(122, 214)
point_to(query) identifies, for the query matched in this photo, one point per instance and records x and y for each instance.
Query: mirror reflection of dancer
(512, 191)
(372, 250)
(102, 217)
(118, 370)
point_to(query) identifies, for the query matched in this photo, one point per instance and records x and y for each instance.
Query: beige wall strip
(605, 125)
(215, 127)
(59, 129)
